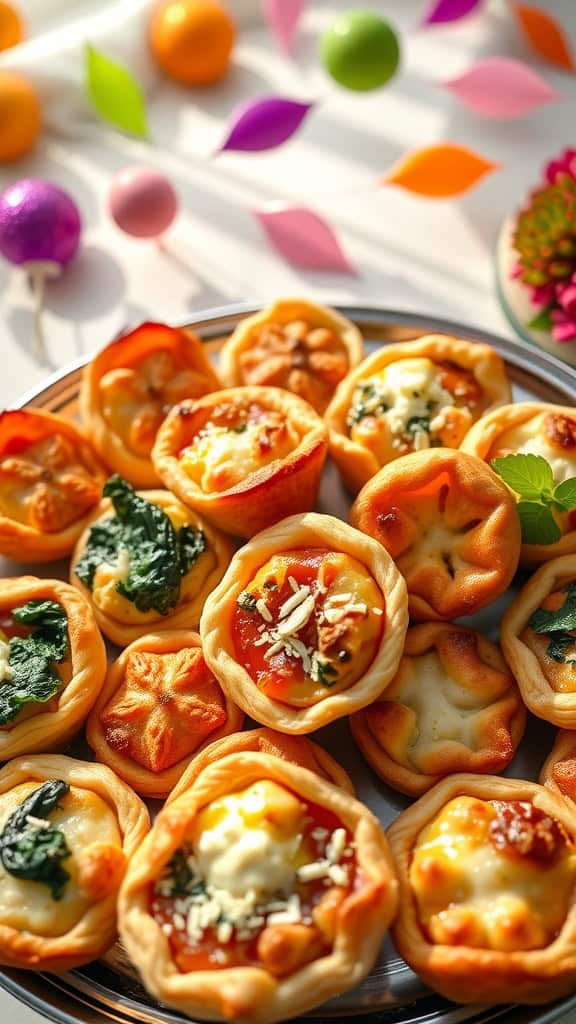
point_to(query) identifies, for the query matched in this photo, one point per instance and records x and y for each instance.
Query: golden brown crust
(450, 524)
(169, 715)
(559, 769)
(96, 930)
(463, 973)
(414, 742)
(252, 993)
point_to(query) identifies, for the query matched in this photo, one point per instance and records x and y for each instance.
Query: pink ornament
(142, 202)
(501, 87)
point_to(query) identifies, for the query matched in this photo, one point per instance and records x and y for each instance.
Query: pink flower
(564, 316)
(563, 164)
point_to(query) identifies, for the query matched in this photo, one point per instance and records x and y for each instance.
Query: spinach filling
(31, 676)
(367, 401)
(30, 847)
(557, 625)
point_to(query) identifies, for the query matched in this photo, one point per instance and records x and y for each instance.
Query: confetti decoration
(443, 11)
(546, 37)
(501, 87)
(283, 18)
(115, 94)
(439, 171)
(264, 124)
(304, 238)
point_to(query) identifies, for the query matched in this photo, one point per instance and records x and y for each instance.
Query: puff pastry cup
(451, 526)
(52, 664)
(239, 838)
(128, 388)
(146, 563)
(453, 706)
(536, 428)
(244, 457)
(294, 344)
(307, 625)
(50, 482)
(159, 708)
(417, 394)
(67, 831)
(559, 769)
(487, 870)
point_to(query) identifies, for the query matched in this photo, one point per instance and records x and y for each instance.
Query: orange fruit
(11, 27)
(20, 115)
(192, 40)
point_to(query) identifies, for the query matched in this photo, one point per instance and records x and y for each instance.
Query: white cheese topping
(563, 464)
(403, 393)
(6, 673)
(121, 571)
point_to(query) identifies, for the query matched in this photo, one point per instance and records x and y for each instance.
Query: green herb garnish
(239, 429)
(557, 625)
(418, 423)
(246, 601)
(31, 676)
(32, 851)
(531, 477)
(325, 673)
(367, 401)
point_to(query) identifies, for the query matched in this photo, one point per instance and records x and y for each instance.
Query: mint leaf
(543, 320)
(538, 523)
(115, 94)
(529, 475)
(565, 494)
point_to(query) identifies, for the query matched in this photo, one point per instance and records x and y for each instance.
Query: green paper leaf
(565, 494)
(543, 320)
(115, 94)
(538, 523)
(529, 475)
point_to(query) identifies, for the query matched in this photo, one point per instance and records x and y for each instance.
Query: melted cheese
(410, 389)
(220, 458)
(530, 438)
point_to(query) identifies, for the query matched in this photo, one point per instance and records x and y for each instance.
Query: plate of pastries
(288, 675)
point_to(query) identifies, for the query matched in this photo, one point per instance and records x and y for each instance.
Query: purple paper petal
(304, 239)
(443, 11)
(264, 124)
(282, 18)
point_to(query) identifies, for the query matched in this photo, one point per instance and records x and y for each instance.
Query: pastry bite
(50, 483)
(533, 428)
(294, 344)
(52, 664)
(160, 706)
(261, 891)
(244, 458)
(67, 831)
(130, 386)
(450, 525)
(307, 625)
(559, 769)
(146, 563)
(411, 396)
(453, 706)
(487, 871)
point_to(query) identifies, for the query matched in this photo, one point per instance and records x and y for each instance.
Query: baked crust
(450, 524)
(171, 715)
(559, 769)
(470, 718)
(303, 531)
(95, 931)
(151, 368)
(82, 671)
(252, 993)
(50, 481)
(312, 372)
(279, 488)
(357, 464)
(129, 624)
(467, 974)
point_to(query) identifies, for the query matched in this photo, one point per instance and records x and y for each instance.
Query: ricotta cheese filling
(533, 438)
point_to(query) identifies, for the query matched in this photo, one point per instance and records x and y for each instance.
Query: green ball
(360, 50)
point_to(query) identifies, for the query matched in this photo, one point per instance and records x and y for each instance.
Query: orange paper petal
(546, 37)
(439, 171)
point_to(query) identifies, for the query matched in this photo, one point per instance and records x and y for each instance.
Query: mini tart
(296, 749)
(487, 870)
(540, 429)
(244, 457)
(451, 526)
(417, 394)
(307, 625)
(103, 823)
(160, 706)
(453, 706)
(294, 344)
(242, 820)
(118, 618)
(128, 388)
(50, 483)
(51, 725)
(543, 662)
(559, 770)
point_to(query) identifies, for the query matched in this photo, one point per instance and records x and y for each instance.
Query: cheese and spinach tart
(243, 458)
(261, 891)
(130, 386)
(559, 769)
(411, 396)
(52, 664)
(50, 483)
(159, 708)
(487, 870)
(146, 562)
(451, 526)
(294, 344)
(453, 706)
(307, 625)
(67, 830)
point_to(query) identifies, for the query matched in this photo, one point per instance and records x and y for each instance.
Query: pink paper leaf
(282, 18)
(304, 238)
(443, 11)
(501, 87)
(264, 124)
